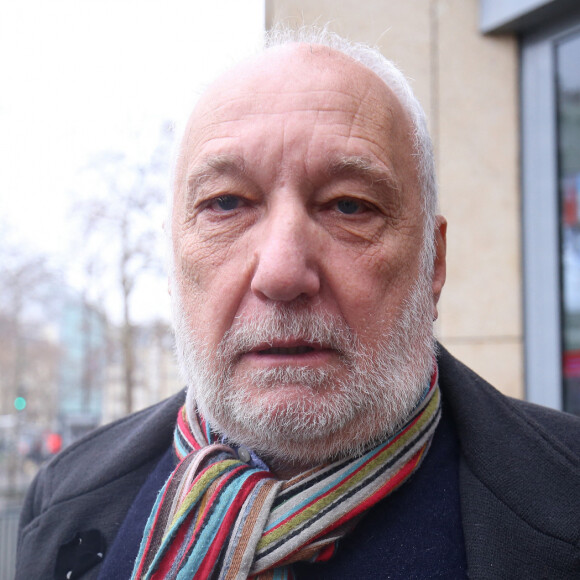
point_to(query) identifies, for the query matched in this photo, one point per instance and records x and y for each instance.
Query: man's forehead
(305, 73)
(319, 87)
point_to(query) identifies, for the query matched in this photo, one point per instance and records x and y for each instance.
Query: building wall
(467, 84)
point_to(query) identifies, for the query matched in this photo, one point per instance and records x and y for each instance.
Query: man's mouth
(291, 350)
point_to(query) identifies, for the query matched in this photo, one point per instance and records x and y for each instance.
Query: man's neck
(284, 470)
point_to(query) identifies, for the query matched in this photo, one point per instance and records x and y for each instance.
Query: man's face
(303, 315)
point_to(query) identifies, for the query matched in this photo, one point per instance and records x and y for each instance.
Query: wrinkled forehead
(309, 73)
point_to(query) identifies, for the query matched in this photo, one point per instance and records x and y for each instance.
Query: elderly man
(320, 437)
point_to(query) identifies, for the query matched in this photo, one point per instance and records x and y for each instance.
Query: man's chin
(285, 409)
(292, 422)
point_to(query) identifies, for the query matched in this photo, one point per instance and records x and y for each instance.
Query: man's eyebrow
(212, 167)
(362, 167)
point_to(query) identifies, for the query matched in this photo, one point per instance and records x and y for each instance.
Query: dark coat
(519, 483)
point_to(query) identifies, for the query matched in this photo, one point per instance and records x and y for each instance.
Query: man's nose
(286, 266)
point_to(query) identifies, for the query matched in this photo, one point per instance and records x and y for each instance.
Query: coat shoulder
(104, 455)
(562, 429)
(480, 407)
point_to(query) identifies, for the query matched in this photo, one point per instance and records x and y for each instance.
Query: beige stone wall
(467, 84)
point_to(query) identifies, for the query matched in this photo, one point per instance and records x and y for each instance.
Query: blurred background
(91, 97)
(92, 93)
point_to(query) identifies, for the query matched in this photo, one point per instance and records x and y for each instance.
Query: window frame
(541, 213)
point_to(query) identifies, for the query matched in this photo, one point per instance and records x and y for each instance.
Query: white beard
(337, 416)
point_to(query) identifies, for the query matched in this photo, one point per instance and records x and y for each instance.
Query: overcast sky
(82, 76)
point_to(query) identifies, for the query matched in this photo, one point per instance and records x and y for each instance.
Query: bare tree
(121, 225)
(29, 358)
(27, 288)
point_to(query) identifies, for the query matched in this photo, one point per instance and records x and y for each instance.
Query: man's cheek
(200, 261)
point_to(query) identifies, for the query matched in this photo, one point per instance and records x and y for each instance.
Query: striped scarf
(218, 517)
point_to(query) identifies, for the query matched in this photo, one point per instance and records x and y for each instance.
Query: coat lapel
(519, 485)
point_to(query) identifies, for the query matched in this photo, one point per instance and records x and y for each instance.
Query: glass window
(550, 125)
(567, 52)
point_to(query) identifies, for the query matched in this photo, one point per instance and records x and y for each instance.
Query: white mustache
(287, 324)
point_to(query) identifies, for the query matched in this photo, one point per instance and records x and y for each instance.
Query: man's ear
(439, 265)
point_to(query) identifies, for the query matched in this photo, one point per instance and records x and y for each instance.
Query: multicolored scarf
(219, 517)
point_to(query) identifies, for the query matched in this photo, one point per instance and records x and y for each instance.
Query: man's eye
(226, 203)
(349, 206)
